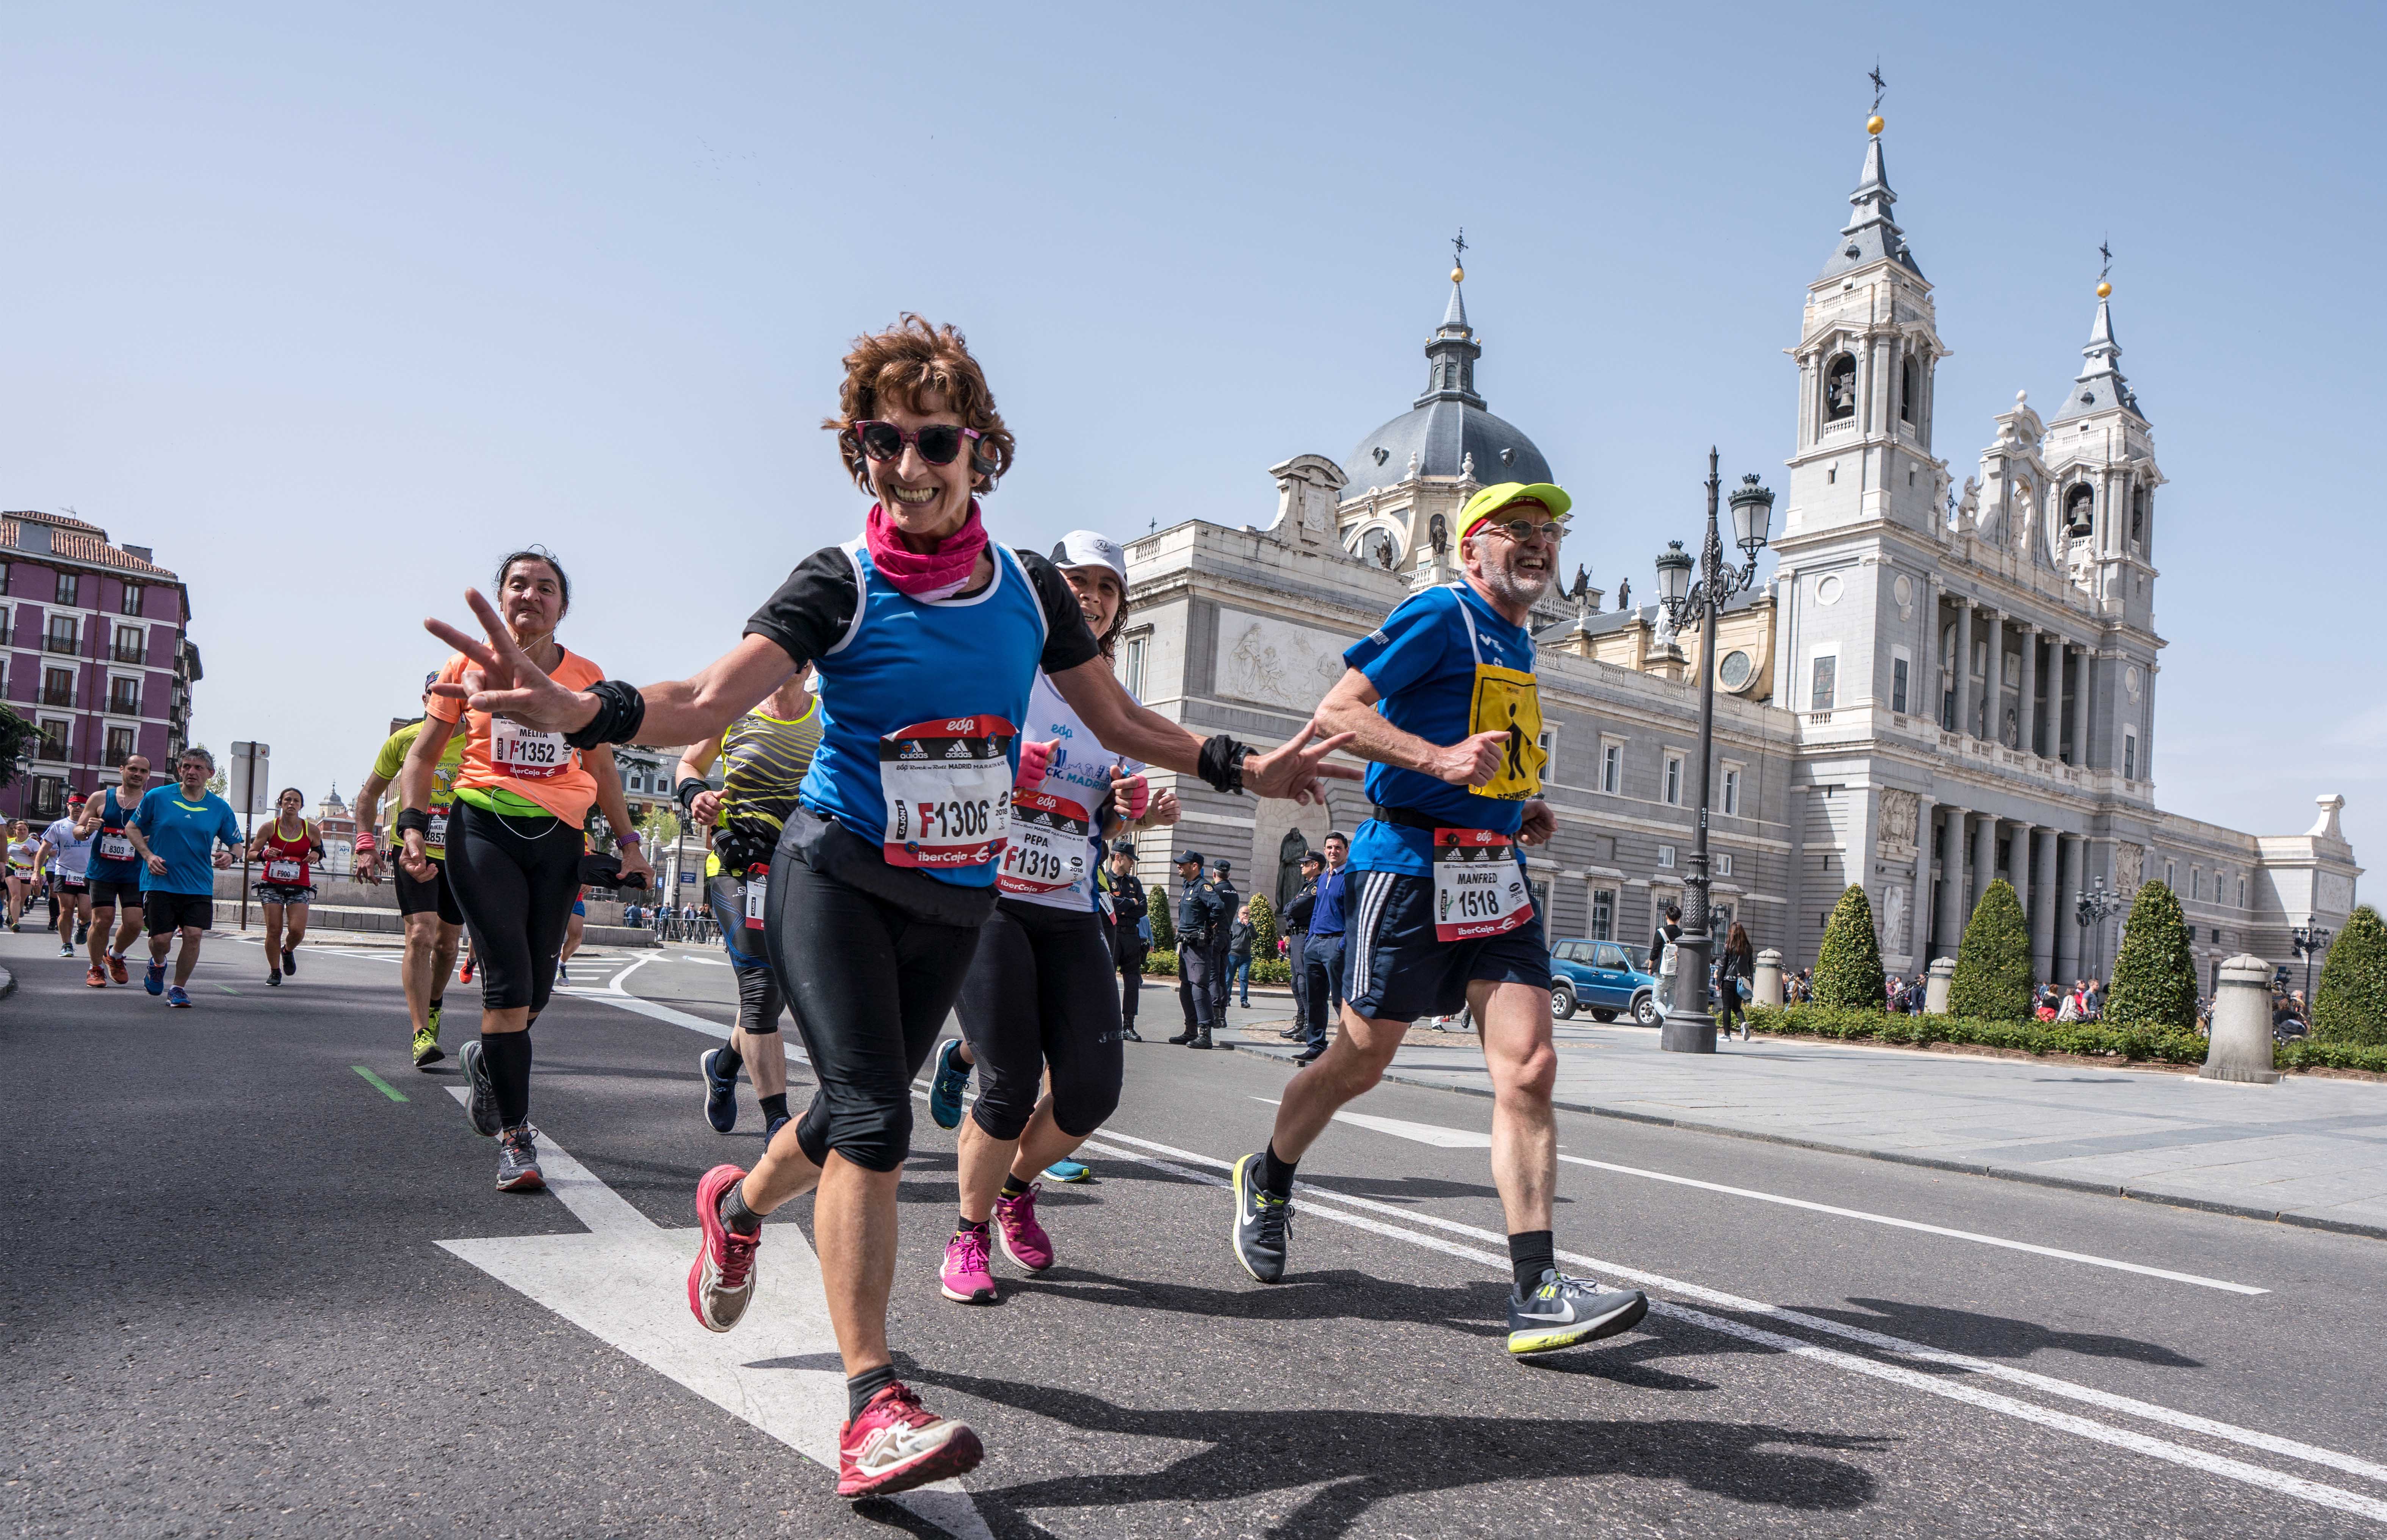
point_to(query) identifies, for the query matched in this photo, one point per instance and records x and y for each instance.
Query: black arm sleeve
(815, 607)
(1067, 643)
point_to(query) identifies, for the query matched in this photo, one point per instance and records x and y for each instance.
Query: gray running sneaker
(483, 1107)
(1562, 1311)
(518, 1160)
(1263, 1223)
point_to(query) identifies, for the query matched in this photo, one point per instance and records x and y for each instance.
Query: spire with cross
(1879, 85)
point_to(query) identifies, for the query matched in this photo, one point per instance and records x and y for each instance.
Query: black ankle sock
(1276, 1174)
(735, 1214)
(728, 1062)
(1012, 1186)
(863, 1386)
(1530, 1252)
(966, 1226)
(774, 1108)
(508, 1056)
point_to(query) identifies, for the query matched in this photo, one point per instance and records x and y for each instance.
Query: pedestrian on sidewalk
(1738, 963)
(1299, 913)
(1662, 953)
(1320, 974)
(2092, 1000)
(1239, 955)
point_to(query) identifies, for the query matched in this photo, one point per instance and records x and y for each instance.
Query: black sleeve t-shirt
(817, 604)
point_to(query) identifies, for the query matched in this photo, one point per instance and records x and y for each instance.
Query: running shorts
(72, 887)
(166, 912)
(1039, 997)
(422, 898)
(726, 894)
(107, 895)
(1395, 969)
(514, 877)
(285, 892)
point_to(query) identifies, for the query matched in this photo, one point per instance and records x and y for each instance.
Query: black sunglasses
(937, 443)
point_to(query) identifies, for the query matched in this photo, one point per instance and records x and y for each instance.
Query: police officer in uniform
(1296, 936)
(1201, 931)
(1125, 905)
(1233, 901)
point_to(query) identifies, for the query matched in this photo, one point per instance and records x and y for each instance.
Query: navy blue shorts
(1395, 969)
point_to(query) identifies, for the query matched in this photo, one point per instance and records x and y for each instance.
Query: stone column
(2046, 903)
(2088, 667)
(1920, 911)
(2241, 1045)
(1951, 884)
(1985, 862)
(2028, 714)
(1993, 711)
(1964, 662)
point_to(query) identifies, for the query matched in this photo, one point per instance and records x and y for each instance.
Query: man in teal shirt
(177, 830)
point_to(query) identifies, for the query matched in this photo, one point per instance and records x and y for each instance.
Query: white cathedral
(1937, 687)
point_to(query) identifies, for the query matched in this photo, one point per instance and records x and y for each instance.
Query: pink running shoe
(966, 1279)
(721, 1283)
(1023, 1239)
(897, 1444)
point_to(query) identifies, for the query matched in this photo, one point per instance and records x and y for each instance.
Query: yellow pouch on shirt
(1506, 700)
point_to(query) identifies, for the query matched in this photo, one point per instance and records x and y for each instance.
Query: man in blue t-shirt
(1442, 700)
(178, 830)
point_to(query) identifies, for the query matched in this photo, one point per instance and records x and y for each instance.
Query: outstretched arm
(502, 681)
(1295, 769)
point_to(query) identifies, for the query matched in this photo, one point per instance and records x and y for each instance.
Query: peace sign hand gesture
(502, 681)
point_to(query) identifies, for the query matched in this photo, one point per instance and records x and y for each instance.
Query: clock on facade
(1733, 672)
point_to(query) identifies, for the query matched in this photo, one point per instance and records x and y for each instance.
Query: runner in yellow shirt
(428, 910)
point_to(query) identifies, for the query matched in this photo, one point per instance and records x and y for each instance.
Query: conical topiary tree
(1993, 973)
(2350, 1003)
(1263, 926)
(1848, 965)
(2154, 971)
(1160, 907)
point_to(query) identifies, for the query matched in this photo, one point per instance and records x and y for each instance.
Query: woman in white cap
(1039, 1015)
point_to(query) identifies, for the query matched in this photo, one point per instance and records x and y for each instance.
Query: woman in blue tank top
(926, 639)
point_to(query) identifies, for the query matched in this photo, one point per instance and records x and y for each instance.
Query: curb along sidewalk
(2308, 1151)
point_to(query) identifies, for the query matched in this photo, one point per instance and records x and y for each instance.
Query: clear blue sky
(331, 306)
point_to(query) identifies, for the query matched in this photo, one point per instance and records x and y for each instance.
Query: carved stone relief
(1899, 811)
(2129, 867)
(1276, 663)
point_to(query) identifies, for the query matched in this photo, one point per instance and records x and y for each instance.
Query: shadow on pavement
(1994, 1336)
(1359, 1459)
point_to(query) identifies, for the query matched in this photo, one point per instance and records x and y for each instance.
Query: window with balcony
(49, 797)
(57, 687)
(65, 635)
(125, 697)
(131, 603)
(131, 645)
(53, 744)
(121, 745)
(69, 589)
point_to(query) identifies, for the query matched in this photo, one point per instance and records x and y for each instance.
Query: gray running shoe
(518, 1160)
(483, 1106)
(1562, 1311)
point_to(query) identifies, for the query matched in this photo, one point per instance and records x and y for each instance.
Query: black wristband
(689, 790)
(620, 712)
(1222, 764)
(412, 818)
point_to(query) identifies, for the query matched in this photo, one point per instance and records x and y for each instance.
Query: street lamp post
(1688, 1028)
(2309, 940)
(2091, 909)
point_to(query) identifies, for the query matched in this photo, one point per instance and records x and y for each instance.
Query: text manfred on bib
(1479, 890)
(947, 785)
(1049, 844)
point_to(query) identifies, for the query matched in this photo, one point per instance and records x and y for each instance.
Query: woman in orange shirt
(514, 847)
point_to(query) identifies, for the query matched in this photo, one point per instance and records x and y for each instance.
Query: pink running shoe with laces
(721, 1283)
(966, 1277)
(897, 1444)
(1022, 1238)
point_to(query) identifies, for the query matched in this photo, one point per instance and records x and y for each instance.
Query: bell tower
(2100, 454)
(1868, 353)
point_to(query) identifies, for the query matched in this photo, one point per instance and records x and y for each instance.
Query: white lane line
(1419, 1134)
(2046, 1383)
(592, 1203)
(2197, 1278)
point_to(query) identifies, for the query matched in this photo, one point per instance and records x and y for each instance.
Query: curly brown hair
(904, 363)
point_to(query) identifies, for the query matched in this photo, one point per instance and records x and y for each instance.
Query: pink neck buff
(937, 575)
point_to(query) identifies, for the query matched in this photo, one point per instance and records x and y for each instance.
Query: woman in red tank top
(287, 848)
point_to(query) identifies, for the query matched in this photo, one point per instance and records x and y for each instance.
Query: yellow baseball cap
(1484, 504)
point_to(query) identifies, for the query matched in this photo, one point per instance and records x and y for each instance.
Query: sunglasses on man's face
(937, 443)
(1526, 531)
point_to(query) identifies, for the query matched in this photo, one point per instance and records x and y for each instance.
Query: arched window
(2137, 515)
(1840, 389)
(2078, 505)
(1909, 387)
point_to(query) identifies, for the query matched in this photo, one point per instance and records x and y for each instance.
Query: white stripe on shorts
(1375, 887)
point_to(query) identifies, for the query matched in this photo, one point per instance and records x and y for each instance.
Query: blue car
(1599, 977)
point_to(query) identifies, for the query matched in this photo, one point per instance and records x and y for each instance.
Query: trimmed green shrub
(1848, 965)
(1160, 963)
(1160, 901)
(1993, 973)
(1270, 970)
(2349, 1004)
(1263, 931)
(2304, 1053)
(2154, 971)
(2092, 1039)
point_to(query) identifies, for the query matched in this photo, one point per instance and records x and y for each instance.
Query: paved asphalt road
(226, 1309)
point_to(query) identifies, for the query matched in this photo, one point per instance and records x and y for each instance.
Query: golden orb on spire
(1458, 276)
(2105, 290)
(1874, 123)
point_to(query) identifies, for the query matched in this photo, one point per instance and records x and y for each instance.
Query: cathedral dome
(1448, 424)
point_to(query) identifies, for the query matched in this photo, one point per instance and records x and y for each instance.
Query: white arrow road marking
(626, 1283)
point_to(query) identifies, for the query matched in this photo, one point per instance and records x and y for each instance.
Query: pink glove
(1033, 759)
(1134, 793)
